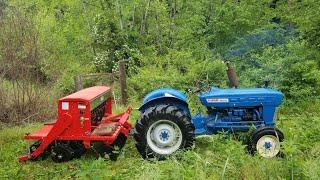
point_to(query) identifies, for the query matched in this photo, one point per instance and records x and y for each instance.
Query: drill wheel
(117, 147)
(61, 152)
(42, 156)
(112, 151)
(78, 148)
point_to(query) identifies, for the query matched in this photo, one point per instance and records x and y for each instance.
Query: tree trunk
(120, 14)
(144, 19)
(89, 29)
(123, 84)
(158, 32)
(133, 17)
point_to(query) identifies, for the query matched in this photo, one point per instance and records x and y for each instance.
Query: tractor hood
(217, 97)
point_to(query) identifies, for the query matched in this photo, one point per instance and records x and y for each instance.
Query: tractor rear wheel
(266, 142)
(163, 130)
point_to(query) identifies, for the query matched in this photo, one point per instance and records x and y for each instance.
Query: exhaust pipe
(232, 76)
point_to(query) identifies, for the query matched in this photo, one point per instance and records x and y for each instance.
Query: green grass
(213, 157)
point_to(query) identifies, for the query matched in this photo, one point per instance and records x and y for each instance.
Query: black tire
(117, 146)
(163, 112)
(78, 148)
(262, 132)
(43, 155)
(113, 150)
(61, 152)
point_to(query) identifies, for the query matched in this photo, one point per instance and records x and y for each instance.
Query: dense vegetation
(168, 43)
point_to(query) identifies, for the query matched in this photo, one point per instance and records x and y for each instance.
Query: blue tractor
(166, 124)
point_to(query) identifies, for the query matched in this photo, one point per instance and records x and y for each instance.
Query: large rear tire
(162, 130)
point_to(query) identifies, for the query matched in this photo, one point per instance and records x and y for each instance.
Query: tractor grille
(97, 113)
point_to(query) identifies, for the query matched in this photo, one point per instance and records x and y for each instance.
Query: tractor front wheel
(162, 130)
(266, 142)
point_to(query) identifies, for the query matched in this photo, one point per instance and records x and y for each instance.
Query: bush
(25, 102)
(293, 68)
(177, 70)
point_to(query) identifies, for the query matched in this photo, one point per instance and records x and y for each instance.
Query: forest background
(167, 43)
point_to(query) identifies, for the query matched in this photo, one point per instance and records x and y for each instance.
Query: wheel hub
(163, 134)
(60, 156)
(164, 137)
(268, 146)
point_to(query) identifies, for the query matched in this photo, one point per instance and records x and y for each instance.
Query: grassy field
(213, 157)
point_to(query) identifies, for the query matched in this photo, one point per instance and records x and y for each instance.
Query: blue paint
(165, 96)
(267, 145)
(164, 136)
(164, 92)
(228, 109)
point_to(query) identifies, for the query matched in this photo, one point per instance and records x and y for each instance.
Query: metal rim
(268, 146)
(164, 137)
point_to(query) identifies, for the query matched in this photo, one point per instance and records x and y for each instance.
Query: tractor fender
(165, 96)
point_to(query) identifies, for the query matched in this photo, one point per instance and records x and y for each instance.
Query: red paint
(69, 126)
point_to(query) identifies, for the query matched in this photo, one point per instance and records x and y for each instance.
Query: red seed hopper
(84, 120)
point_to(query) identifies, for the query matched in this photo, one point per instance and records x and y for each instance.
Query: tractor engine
(235, 114)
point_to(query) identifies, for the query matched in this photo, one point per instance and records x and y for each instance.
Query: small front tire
(266, 142)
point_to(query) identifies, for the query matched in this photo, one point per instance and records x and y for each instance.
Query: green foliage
(65, 83)
(303, 15)
(172, 41)
(178, 70)
(179, 44)
(292, 68)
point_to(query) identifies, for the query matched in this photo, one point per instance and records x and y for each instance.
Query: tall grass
(213, 157)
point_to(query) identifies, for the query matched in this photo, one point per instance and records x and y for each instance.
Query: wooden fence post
(78, 82)
(123, 84)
